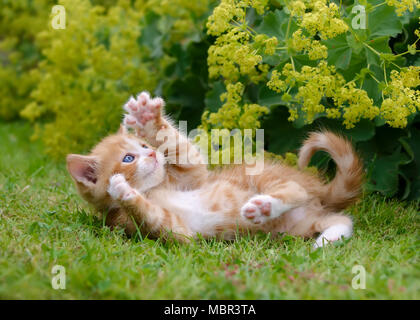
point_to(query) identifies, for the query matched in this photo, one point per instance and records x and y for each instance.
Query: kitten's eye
(145, 146)
(128, 158)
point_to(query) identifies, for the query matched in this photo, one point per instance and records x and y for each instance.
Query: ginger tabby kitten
(129, 179)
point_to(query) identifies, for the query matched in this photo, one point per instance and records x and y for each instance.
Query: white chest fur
(192, 208)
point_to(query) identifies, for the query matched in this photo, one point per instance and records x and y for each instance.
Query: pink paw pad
(265, 207)
(250, 212)
(258, 209)
(142, 110)
(129, 120)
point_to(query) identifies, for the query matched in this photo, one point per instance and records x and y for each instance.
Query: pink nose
(152, 154)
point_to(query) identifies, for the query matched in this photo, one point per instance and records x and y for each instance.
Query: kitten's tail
(346, 185)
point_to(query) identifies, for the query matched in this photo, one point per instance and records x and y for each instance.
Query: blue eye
(128, 158)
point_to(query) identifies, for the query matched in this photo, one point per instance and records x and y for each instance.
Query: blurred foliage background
(285, 66)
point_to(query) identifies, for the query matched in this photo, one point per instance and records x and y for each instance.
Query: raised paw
(119, 189)
(142, 110)
(261, 208)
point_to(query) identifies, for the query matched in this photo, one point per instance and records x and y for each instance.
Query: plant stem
(373, 77)
(404, 53)
(293, 63)
(378, 5)
(385, 74)
(396, 65)
(369, 47)
(288, 28)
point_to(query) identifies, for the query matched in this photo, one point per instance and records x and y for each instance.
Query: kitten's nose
(152, 154)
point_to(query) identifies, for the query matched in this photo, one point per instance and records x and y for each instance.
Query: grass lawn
(44, 223)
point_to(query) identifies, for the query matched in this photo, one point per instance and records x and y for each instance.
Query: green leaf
(370, 84)
(275, 25)
(184, 103)
(269, 98)
(379, 45)
(280, 134)
(212, 100)
(339, 51)
(303, 60)
(384, 175)
(358, 62)
(355, 44)
(277, 59)
(151, 37)
(383, 21)
(407, 185)
(414, 172)
(415, 190)
(363, 131)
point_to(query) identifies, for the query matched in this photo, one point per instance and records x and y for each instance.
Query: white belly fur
(190, 207)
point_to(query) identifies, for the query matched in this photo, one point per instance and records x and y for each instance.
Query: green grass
(43, 223)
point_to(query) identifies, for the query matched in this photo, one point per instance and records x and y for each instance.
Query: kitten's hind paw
(119, 189)
(333, 234)
(261, 208)
(142, 110)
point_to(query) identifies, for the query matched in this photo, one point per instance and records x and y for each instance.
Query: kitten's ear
(83, 168)
(122, 129)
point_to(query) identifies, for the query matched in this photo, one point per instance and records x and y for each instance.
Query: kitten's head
(142, 166)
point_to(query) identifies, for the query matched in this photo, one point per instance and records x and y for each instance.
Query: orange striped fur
(182, 200)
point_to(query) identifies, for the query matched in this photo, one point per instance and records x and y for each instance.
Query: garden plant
(285, 66)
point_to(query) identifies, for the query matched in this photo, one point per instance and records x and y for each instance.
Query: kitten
(127, 177)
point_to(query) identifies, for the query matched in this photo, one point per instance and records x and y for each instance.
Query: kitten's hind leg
(278, 199)
(333, 228)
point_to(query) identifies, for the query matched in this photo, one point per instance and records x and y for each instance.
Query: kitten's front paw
(261, 208)
(142, 110)
(119, 189)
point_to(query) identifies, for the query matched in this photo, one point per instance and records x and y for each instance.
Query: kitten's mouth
(155, 164)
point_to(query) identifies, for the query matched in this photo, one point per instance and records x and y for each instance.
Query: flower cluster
(323, 18)
(20, 21)
(232, 114)
(236, 55)
(234, 52)
(232, 117)
(313, 48)
(185, 13)
(403, 98)
(403, 5)
(313, 84)
(297, 8)
(89, 69)
(238, 51)
(232, 56)
(88, 72)
(79, 77)
(268, 45)
(355, 105)
(232, 10)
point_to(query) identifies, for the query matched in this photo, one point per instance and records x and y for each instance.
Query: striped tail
(345, 188)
